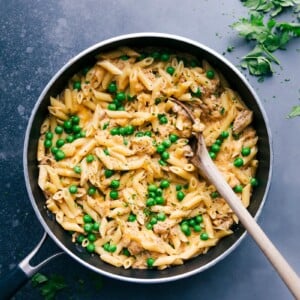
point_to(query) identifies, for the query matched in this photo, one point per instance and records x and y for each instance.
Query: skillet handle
(20, 275)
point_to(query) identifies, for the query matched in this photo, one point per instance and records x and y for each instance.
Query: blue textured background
(38, 37)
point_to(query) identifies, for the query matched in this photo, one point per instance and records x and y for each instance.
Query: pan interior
(62, 238)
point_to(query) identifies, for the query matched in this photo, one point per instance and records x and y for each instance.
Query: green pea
(122, 131)
(178, 187)
(152, 188)
(59, 155)
(115, 184)
(185, 229)
(159, 192)
(96, 226)
(180, 195)
(160, 148)
(115, 131)
(106, 152)
(90, 247)
(139, 134)
(121, 96)
(204, 236)
(60, 143)
(164, 56)
(224, 134)
(77, 85)
(197, 228)
(129, 129)
(88, 227)
(108, 173)
(238, 188)
(77, 169)
(114, 195)
(198, 219)
(191, 222)
(75, 120)
(218, 142)
(91, 237)
(161, 216)
(149, 226)
(166, 143)
(173, 137)
(91, 190)
(112, 106)
(112, 248)
(163, 120)
(80, 238)
(131, 218)
(246, 151)
(238, 162)
(76, 128)
(212, 155)
(59, 129)
(112, 87)
(150, 261)
(157, 101)
(253, 182)
(150, 202)
(151, 194)
(48, 143)
(214, 194)
(153, 221)
(165, 155)
(210, 74)
(126, 252)
(90, 158)
(87, 219)
(155, 55)
(68, 124)
(215, 148)
(106, 247)
(164, 184)
(54, 150)
(73, 189)
(70, 138)
(159, 200)
(162, 163)
(49, 135)
(170, 70)
(148, 133)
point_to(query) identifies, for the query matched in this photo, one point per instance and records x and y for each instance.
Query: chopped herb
(105, 125)
(269, 37)
(48, 286)
(295, 112)
(275, 7)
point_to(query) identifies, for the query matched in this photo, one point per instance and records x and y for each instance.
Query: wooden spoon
(206, 166)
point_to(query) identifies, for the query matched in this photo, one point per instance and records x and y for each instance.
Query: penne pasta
(115, 163)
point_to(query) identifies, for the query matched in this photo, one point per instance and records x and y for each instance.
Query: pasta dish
(114, 157)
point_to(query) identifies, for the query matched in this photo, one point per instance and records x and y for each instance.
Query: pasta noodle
(115, 161)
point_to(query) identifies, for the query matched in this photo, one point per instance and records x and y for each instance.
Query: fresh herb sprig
(275, 7)
(268, 37)
(48, 286)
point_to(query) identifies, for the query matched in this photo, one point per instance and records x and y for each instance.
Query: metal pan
(62, 238)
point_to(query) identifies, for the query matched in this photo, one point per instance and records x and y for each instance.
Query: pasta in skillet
(114, 157)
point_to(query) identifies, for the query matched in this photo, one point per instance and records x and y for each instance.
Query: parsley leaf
(48, 286)
(295, 112)
(269, 37)
(275, 7)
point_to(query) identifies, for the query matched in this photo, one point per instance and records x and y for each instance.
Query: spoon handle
(279, 263)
